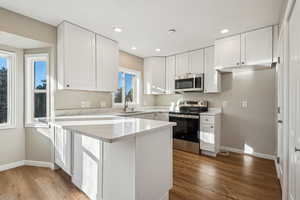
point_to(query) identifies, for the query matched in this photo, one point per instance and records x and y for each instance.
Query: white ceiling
(20, 42)
(146, 22)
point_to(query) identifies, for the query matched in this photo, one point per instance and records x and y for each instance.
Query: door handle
(280, 121)
(297, 150)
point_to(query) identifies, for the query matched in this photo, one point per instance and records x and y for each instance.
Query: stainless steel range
(186, 133)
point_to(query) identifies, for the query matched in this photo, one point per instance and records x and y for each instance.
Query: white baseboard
(11, 165)
(240, 151)
(26, 163)
(39, 164)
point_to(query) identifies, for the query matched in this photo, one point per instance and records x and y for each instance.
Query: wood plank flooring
(234, 177)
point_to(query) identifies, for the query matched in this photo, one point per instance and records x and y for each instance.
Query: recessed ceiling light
(133, 48)
(170, 31)
(118, 29)
(224, 31)
(157, 49)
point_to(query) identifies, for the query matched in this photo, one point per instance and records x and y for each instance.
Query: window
(7, 84)
(128, 87)
(36, 87)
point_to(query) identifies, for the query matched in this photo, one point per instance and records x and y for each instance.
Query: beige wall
(24, 26)
(253, 126)
(12, 141)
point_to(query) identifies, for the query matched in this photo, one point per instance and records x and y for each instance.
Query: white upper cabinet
(82, 65)
(107, 64)
(212, 78)
(76, 58)
(170, 74)
(182, 64)
(256, 47)
(155, 75)
(228, 52)
(196, 62)
(253, 48)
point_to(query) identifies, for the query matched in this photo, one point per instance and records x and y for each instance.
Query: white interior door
(294, 103)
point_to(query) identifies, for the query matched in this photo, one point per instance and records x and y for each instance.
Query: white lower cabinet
(210, 126)
(139, 168)
(87, 166)
(63, 149)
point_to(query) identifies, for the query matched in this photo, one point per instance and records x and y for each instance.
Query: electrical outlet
(244, 104)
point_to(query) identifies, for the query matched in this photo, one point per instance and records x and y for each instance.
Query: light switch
(244, 104)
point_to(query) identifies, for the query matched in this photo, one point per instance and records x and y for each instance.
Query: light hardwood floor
(234, 177)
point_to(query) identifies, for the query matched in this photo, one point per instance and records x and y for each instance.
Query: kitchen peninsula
(111, 157)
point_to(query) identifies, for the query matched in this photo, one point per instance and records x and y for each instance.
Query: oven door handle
(185, 116)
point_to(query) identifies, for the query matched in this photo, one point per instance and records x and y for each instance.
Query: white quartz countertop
(108, 128)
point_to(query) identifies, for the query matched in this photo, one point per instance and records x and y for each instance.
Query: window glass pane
(40, 108)
(118, 93)
(40, 75)
(3, 90)
(129, 87)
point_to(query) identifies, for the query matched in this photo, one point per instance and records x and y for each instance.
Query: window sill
(7, 126)
(37, 125)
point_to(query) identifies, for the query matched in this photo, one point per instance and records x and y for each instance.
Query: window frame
(11, 90)
(30, 120)
(137, 91)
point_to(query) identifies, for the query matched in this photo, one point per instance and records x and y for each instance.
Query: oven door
(187, 127)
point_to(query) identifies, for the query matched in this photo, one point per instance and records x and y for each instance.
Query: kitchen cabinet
(62, 149)
(253, 48)
(228, 52)
(107, 64)
(196, 62)
(212, 78)
(210, 133)
(170, 74)
(87, 165)
(155, 75)
(76, 58)
(182, 64)
(130, 165)
(86, 60)
(256, 47)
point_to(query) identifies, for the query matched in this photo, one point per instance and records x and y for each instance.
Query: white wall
(12, 141)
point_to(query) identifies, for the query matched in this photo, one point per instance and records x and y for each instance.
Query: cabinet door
(228, 52)
(154, 72)
(207, 137)
(79, 58)
(62, 149)
(182, 64)
(257, 46)
(107, 64)
(197, 61)
(212, 78)
(87, 165)
(170, 74)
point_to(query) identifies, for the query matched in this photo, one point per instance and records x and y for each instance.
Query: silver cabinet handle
(280, 121)
(297, 150)
(243, 62)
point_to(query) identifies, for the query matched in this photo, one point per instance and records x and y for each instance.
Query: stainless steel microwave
(190, 83)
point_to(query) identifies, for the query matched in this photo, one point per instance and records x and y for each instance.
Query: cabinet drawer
(207, 119)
